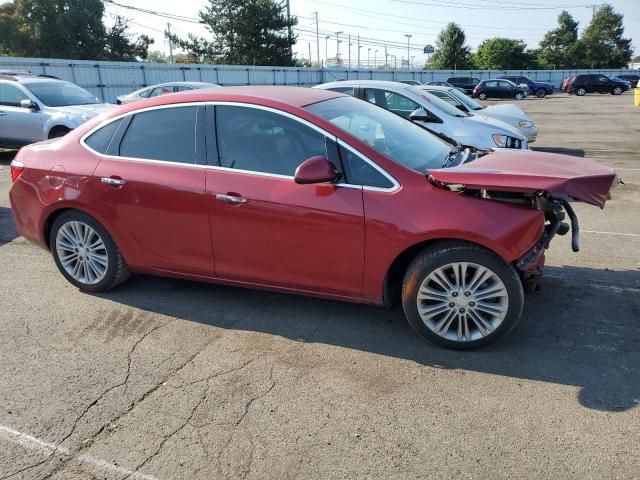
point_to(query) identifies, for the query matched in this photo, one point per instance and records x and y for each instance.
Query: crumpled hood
(509, 110)
(497, 126)
(525, 171)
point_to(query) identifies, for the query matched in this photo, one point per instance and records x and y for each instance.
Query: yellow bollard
(636, 97)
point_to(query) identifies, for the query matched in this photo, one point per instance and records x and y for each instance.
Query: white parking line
(100, 465)
(612, 233)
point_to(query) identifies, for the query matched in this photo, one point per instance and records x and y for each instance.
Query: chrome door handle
(112, 181)
(230, 198)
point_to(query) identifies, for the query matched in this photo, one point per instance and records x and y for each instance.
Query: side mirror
(29, 104)
(316, 170)
(421, 115)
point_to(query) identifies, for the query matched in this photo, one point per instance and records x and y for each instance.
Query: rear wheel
(541, 93)
(581, 92)
(85, 253)
(482, 96)
(519, 96)
(616, 91)
(461, 296)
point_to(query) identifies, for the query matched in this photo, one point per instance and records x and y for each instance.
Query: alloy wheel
(462, 301)
(82, 253)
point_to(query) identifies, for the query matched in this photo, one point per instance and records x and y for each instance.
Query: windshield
(61, 94)
(440, 104)
(391, 135)
(468, 102)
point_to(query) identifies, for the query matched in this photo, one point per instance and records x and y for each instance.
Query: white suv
(35, 108)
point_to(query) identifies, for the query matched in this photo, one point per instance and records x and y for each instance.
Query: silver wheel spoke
(81, 252)
(462, 301)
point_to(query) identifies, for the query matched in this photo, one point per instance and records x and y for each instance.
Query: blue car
(539, 89)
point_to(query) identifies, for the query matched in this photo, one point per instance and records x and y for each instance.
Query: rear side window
(359, 172)
(347, 90)
(167, 134)
(101, 139)
(11, 96)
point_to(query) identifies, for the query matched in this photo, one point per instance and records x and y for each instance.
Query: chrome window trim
(323, 132)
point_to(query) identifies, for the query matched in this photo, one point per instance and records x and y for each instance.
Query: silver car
(508, 113)
(35, 108)
(162, 89)
(434, 114)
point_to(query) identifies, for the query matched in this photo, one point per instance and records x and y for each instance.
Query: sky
(387, 22)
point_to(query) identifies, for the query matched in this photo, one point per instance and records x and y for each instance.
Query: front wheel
(85, 253)
(581, 92)
(461, 296)
(482, 96)
(519, 96)
(617, 91)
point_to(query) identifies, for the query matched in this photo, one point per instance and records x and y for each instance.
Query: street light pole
(349, 51)
(359, 47)
(408, 47)
(368, 58)
(338, 48)
(326, 48)
(375, 58)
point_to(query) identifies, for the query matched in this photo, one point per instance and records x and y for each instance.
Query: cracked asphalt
(169, 379)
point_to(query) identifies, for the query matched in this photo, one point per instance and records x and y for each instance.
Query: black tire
(482, 96)
(581, 92)
(616, 91)
(57, 132)
(117, 271)
(446, 253)
(541, 93)
(519, 96)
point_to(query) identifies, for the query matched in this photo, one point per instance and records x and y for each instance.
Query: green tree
(603, 41)
(245, 32)
(560, 47)
(451, 49)
(64, 29)
(504, 54)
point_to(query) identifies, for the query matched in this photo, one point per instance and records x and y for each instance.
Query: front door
(153, 190)
(18, 125)
(268, 230)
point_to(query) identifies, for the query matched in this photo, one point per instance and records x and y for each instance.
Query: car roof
(444, 88)
(168, 84)
(369, 83)
(258, 94)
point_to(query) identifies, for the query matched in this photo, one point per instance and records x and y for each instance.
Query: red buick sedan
(302, 191)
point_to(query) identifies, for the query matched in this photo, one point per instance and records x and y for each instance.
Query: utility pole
(168, 33)
(338, 47)
(310, 62)
(349, 56)
(317, 41)
(408, 47)
(359, 50)
(289, 29)
(386, 57)
(375, 59)
(326, 48)
(368, 58)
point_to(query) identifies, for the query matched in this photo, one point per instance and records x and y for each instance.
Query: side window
(167, 134)
(474, 81)
(160, 91)
(11, 96)
(262, 141)
(347, 90)
(359, 172)
(444, 96)
(504, 85)
(400, 104)
(491, 84)
(602, 78)
(101, 139)
(145, 93)
(182, 88)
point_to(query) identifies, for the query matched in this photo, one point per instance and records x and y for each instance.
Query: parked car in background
(434, 114)
(162, 89)
(441, 83)
(466, 83)
(410, 82)
(632, 78)
(539, 89)
(618, 79)
(498, 89)
(308, 192)
(508, 113)
(596, 83)
(566, 83)
(34, 108)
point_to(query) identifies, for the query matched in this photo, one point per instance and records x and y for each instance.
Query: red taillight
(16, 170)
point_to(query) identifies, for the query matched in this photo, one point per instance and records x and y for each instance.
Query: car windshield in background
(441, 105)
(468, 102)
(61, 94)
(402, 141)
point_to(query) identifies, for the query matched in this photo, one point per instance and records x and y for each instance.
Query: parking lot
(170, 379)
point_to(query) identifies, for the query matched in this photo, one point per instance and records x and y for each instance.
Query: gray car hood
(488, 122)
(509, 110)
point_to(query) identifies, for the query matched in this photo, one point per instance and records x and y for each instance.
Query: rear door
(18, 125)
(267, 229)
(505, 89)
(491, 89)
(151, 186)
(603, 84)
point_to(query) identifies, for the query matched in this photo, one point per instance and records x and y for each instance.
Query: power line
(478, 6)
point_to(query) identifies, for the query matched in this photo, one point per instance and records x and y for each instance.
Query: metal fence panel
(107, 80)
